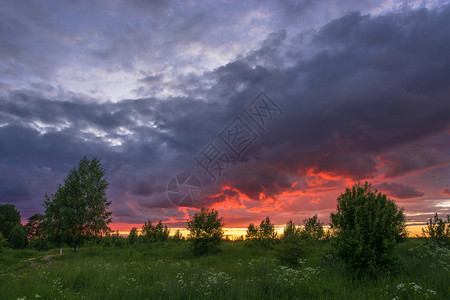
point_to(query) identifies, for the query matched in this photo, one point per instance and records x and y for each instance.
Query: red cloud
(445, 191)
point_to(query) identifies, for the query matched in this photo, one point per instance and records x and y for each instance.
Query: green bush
(157, 233)
(17, 237)
(2, 241)
(291, 229)
(262, 236)
(133, 236)
(290, 250)
(438, 230)
(106, 240)
(206, 231)
(367, 227)
(39, 244)
(178, 236)
(117, 240)
(312, 229)
(9, 217)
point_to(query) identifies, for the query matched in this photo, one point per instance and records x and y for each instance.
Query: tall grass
(170, 271)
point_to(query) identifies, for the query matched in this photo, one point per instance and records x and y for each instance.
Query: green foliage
(34, 226)
(178, 236)
(262, 236)
(78, 209)
(133, 236)
(367, 227)
(39, 244)
(252, 232)
(169, 271)
(206, 231)
(9, 217)
(291, 229)
(35, 232)
(2, 241)
(117, 240)
(438, 230)
(312, 229)
(17, 237)
(157, 233)
(290, 250)
(106, 240)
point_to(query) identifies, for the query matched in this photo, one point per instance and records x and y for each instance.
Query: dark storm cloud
(374, 84)
(359, 96)
(408, 160)
(399, 190)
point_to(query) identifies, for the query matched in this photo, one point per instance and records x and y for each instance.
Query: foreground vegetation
(364, 255)
(169, 270)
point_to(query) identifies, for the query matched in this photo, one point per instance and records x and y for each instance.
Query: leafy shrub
(39, 243)
(262, 236)
(206, 231)
(178, 236)
(291, 229)
(2, 241)
(9, 217)
(133, 236)
(157, 233)
(106, 240)
(367, 226)
(117, 240)
(312, 229)
(438, 230)
(290, 251)
(18, 237)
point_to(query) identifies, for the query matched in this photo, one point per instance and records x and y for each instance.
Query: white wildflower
(431, 291)
(400, 286)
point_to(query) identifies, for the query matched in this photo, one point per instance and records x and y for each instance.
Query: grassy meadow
(170, 271)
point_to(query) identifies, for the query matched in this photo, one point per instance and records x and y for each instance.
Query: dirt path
(46, 258)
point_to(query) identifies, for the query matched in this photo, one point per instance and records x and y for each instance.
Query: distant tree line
(363, 232)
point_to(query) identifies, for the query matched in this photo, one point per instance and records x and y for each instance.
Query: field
(170, 271)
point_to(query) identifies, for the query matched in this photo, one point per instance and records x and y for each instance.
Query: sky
(254, 108)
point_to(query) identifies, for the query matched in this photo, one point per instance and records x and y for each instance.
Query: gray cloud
(399, 190)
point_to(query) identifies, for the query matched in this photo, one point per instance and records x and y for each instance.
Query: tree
(252, 232)
(133, 236)
(157, 233)
(17, 237)
(264, 235)
(178, 236)
(267, 229)
(9, 217)
(117, 240)
(206, 231)
(161, 232)
(290, 250)
(36, 232)
(34, 226)
(291, 229)
(79, 208)
(367, 226)
(312, 229)
(438, 230)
